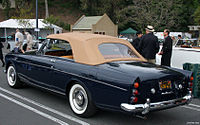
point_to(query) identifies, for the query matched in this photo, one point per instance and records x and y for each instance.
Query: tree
(161, 14)
(19, 4)
(188, 9)
(76, 4)
(197, 16)
(111, 8)
(6, 5)
(99, 7)
(55, 20)
(46, 9)
(23, 16)
(89, 6)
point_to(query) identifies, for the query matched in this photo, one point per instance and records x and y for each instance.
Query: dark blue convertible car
(99, 72)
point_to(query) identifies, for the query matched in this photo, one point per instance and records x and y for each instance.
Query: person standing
(29, 41)
(135, 43)
(179, 36)
(19, 39)
(166, 51)
(1, 54)
(149, 45)
(179, 40)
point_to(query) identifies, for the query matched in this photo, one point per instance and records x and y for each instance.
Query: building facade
(96, 25)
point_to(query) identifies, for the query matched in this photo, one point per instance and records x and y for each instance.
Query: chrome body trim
(147, 107)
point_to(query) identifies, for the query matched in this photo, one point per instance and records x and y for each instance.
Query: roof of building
(14, 23)
(86, 22)
(85, 47)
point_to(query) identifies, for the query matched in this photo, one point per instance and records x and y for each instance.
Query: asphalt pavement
(33, 106)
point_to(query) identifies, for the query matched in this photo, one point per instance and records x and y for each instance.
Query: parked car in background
(3, 39)
(99, 72)
(125, 38)
(184, 51)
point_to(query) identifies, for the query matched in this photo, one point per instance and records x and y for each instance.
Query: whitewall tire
(80, 102)
(12, 78)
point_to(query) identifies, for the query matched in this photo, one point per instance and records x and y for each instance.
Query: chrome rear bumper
(145, 108)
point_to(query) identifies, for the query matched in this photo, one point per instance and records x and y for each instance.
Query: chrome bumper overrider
(145, 108)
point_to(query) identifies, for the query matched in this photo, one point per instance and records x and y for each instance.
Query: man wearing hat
(135, 43)
(149, 45)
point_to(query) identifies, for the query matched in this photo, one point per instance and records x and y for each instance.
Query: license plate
(165, 84)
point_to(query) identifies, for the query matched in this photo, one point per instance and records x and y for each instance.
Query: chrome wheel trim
(78, 99)
(11, 76)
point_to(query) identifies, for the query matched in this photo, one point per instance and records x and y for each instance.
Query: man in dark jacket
(166, 51)
(149, 45)
(1, 54)
(136, 42)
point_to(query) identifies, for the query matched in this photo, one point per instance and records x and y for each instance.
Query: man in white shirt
(29, 40)
(19, 39)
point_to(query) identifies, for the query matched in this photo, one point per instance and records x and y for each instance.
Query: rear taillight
(134, 99)
(191, 78)
(136, 85)
(135, 92)
(191, 83)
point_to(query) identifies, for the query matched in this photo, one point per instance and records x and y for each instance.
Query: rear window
(116, 50)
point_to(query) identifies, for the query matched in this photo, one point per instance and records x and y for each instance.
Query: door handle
(53, 60)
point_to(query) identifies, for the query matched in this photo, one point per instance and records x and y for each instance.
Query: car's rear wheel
(12, 78)
(80, 102)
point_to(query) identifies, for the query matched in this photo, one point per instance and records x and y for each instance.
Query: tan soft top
(85, 47)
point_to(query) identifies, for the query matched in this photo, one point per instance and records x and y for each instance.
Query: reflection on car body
(99, 72)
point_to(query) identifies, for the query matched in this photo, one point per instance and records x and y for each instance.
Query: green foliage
(111, 8)
(23, 16)
(6, 5)
(175, 15)
(172, 14)
(20, 3)
(55, 20)
(67, 27)
(51, 19)
(160, 14)
(76, 3)
(197, 16)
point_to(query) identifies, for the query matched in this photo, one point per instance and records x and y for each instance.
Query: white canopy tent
(9, 26)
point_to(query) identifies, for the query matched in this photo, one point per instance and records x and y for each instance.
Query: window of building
(102, 33)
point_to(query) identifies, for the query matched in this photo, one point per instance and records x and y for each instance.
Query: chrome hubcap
(79, 98)
(11, 76)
